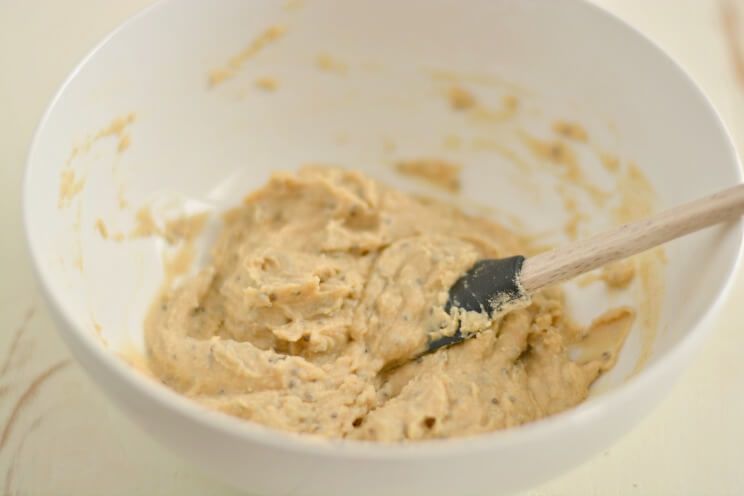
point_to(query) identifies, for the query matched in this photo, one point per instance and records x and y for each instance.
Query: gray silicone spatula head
(488, 287)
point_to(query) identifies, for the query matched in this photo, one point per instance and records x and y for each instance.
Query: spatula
(495, 286)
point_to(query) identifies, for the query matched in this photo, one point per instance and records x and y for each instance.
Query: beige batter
(323, 279)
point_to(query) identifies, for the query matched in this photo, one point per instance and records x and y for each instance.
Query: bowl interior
(362, 85)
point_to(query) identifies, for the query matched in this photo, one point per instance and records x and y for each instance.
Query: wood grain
(582, 256)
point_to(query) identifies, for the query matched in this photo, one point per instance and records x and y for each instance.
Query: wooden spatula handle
(582, 256)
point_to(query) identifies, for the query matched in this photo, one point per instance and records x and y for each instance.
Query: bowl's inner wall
(194, 148)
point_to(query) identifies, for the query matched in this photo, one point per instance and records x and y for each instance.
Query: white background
(59, 435)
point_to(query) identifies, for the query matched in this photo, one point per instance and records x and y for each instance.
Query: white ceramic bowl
(194, 148)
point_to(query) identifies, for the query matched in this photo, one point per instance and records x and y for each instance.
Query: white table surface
(60, 436)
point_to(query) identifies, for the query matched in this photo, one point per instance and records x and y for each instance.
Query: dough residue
(328, 63)
(463, 100)
(436, 172)
(571, 130)
(267, 83)
(637, 200)
(618, 275)
(561, 154)
(230, 70)
(69, 187)
(615, 275)
(452, 142)
(460, 98)
(610, 162)
(291, 5)
(575, 215)
(145, 224)
(101, 228)
(508, 109)
(182, 228)
(322, 278)
(483, 143)
(117, 128)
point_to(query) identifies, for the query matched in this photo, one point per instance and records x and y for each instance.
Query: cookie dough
(322, 279)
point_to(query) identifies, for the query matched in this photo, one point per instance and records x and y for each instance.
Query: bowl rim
(251, 432)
